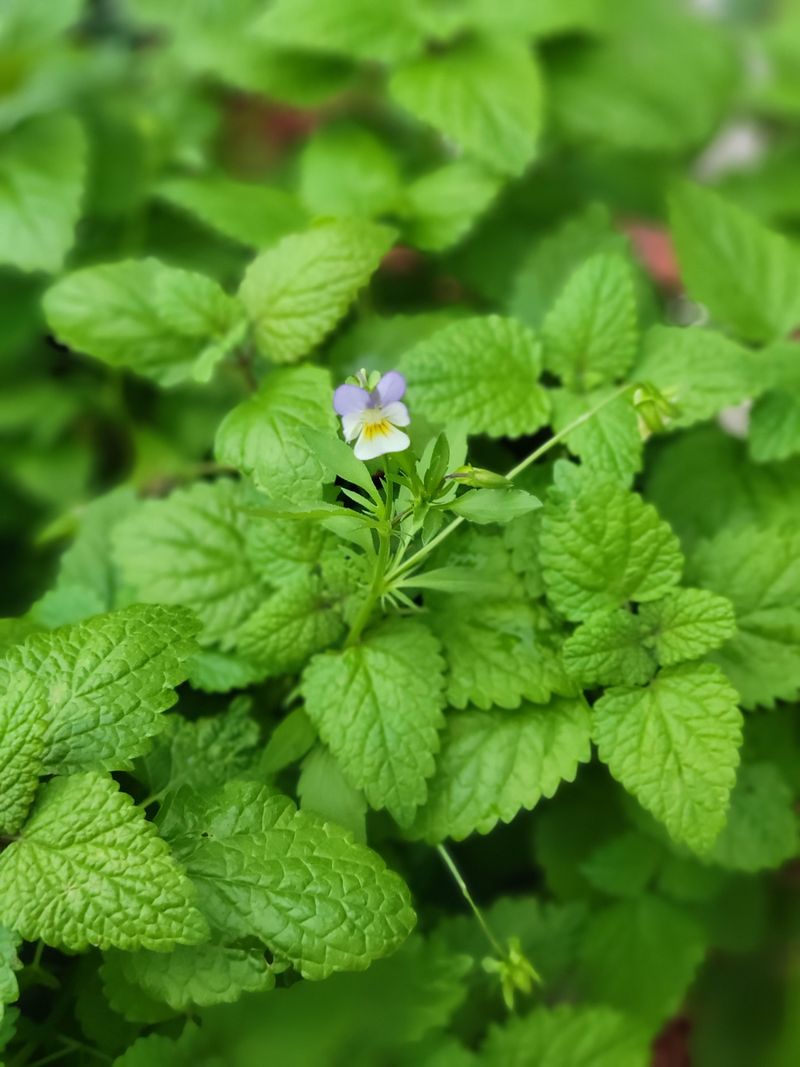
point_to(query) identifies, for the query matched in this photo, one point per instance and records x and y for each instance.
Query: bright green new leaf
(758, 570)
(480, 371)
(158, 321)
(499, 125)
(762, 827)
(442, 206)
(296, 292)
(487, 506)
(495, 763)
(191, 549)
(42, 167)
(264, 436)
(775, 426)
(747, 275)
(378, 707)
(302, 886)
(22, 746)
(9, 965)
(100, 686)
(609, 649)
(686, 624)
(346, 171)
(674, 745)
(602, 546)
(88, 869)
(590, 333)
(609, 442)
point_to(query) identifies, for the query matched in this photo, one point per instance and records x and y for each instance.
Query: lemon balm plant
(401, 460)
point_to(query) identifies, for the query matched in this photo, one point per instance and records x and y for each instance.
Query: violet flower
(371, 416)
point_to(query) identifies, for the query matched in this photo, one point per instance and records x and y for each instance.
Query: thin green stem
(376, 590)
(449, 862)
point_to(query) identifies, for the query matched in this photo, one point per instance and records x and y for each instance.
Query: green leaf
(687, 624)
(568, 1036)
(603, 546)
(88, 869)
(623, 866)
(640, 956)
(762, 828)
(324, 791)
(674, 745)
(157, 1051)
(774, 432)
(296, 292)
(442, 206)
(699, 370)
(609, 442)
(264, 436)
(500, 125)
(486, 506)
(191, 549)
(377, 706)
(758, 570)
(590, 333)
(289, 627)
(747, 275)
(100, 686)
(158, 321)
(480, 371)
(609, 649)
(302, 886)
(495, 763)
(196, 974)
(42, 168)
(254, 215)
(290, 741)
(22, 746)
(346, 171)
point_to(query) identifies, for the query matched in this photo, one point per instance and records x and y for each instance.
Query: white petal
(352, 425)
(392, 441)
(397, 413)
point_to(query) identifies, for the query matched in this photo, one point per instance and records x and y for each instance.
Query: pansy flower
(372, 412)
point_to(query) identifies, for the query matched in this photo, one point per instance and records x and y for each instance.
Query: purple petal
(391, 387)
(350, 399)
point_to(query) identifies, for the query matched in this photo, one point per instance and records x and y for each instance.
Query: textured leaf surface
(191, 549)
(100, 686)
(42, 165)
(377, 706)
(603, 546)
(158, 321)
(747, 275)
(609, 442)
(608, 649)
(88, 869)
(675, 746)
(263, 437)
(686, 624)
(296, 292)
(22, 727)
(493, 764)
(590, 333)
(302, 886)
(500, 124)
(758, 570)
(482, 371)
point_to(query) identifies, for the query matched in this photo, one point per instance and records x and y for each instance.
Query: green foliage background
(523, 791)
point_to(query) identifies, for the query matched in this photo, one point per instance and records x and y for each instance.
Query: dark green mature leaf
(762, 830)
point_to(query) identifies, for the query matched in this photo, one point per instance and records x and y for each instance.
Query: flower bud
(655, 409)
(479, 478)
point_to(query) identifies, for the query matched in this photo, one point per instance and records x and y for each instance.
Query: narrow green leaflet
(42, 168)
(378, 707)
(603, 546)
(700, 371)
(289, 626)
(302, 886)
(674, 745)
(747, 275)
(263, 437)
(22, 746)
(640, 956)
(758, 570)
(686, 624)
(590, 333)
(196, 974)
(100, 686)
(88, 869)
(255, 215)
(609, 649)
(568, 1036)
(495, 763)
(482, 371)
(775, 426)
(345, 171)
(158, 321)
(442, 206)
(296, 292)
(191, 549)
(762, 830)
(609, 442)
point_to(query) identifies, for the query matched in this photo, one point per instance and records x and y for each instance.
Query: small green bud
(655, 409)
(479, 478)
(516, 972)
